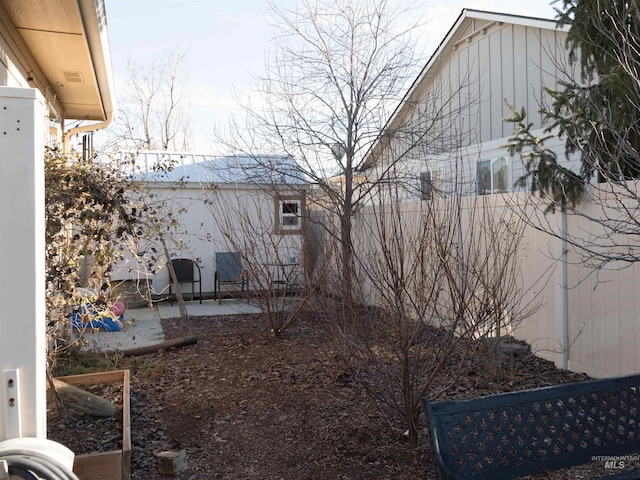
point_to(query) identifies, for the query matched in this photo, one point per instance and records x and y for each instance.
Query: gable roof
(232, 169)
(469, 24)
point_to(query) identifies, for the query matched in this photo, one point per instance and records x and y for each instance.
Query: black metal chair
(228, 272)
(185, 270)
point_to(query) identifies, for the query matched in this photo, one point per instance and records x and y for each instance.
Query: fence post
(22, 264)
(565, 292)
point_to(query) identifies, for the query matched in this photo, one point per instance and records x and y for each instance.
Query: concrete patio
(143, 326)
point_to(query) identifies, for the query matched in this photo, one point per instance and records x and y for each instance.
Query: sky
(226, 42)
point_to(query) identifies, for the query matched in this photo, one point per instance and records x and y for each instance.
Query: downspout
(85, 128)
(565, 292)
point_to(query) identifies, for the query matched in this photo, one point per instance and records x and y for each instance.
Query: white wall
(202, 218)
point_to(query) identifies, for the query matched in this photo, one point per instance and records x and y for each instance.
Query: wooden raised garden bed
(113, 464)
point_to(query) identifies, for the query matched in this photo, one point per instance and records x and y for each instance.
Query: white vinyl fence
(582, 318)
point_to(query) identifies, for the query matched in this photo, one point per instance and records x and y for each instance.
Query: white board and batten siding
(502, 60)
(485, 59)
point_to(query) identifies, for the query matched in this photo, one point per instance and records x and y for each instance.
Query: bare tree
(337, 73)
(89, 213)
(274, 261)
(154, 113)
(440, 275)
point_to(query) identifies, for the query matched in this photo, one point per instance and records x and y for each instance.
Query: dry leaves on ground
(248, 406)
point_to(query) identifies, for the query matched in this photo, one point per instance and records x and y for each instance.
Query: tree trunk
(347, 260)
(184, 315)
(346, 226)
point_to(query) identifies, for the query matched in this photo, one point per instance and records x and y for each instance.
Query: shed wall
(209, 220)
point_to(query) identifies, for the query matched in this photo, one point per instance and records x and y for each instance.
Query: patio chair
(228, 272)
(186, 269)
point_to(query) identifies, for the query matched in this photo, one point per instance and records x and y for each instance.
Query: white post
(22, 270)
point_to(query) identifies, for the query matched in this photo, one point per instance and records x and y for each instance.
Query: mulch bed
(101, 434)
(247, 406)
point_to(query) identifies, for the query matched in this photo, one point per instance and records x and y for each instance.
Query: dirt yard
(247, 406)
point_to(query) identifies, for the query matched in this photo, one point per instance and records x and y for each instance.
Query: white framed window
(493, 176)
(290, 210)
(289, 214)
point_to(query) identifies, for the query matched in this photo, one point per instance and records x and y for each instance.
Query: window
(493, 176)
(289, 211)
(290, 214)
(426, 188)
(431, 184)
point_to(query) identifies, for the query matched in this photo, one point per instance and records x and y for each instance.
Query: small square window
(289, 211)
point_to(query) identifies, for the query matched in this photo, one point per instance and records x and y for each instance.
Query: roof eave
(94, 19)
(62, 48)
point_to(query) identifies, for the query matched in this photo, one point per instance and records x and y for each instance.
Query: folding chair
(228, 272)
(186, 269)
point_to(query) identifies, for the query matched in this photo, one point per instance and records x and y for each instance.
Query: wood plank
(82, 401)
(100, 465)
(126, 427)
(172, 462)
(94, 378)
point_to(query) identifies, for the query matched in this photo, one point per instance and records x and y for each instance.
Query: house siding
(507, 62)
(483, 64)
(10, 74)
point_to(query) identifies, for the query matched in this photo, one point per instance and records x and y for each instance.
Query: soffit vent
(72, 76)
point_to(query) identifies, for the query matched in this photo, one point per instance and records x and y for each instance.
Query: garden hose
(36, 459)
(30, 465)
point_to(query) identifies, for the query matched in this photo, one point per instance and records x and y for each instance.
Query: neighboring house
(448, 132)
(448, 136)
(54, 67)
(253, 206)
